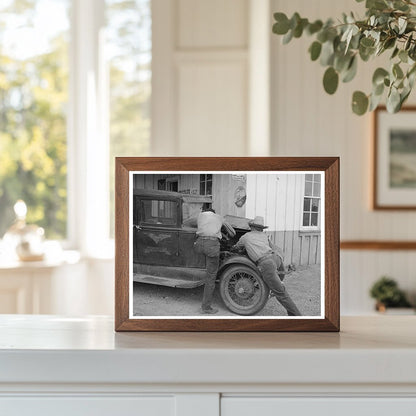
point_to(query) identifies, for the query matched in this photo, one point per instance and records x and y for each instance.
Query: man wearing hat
(261, 251)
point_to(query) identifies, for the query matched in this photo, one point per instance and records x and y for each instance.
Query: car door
(156, 232)
(187, 254)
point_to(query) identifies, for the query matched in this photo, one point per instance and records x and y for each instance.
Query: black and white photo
(226, 244)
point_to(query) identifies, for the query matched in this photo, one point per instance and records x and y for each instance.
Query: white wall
(203, 67)
(308, 122)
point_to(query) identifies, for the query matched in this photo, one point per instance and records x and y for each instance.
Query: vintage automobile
(163, 250)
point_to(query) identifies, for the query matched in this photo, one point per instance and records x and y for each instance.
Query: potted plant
(387, 294)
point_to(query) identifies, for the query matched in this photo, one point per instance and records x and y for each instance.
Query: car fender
(235, 259)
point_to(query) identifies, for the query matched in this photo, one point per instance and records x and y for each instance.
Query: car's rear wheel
(243, 290)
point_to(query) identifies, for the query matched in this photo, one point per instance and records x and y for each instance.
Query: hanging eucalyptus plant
(389, 27)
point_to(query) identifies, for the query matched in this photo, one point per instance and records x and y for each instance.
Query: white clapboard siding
(278, 198)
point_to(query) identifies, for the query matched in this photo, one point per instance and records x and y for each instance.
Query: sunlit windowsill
(9, 262)
(55, 256)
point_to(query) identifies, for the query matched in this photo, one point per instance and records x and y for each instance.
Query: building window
(59, 134)
(161, 184)
(205, 184)
(311, 200)
(33, 102)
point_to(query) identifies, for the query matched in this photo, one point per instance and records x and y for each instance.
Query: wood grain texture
(376, 205)
(378, 245)
(330, 165)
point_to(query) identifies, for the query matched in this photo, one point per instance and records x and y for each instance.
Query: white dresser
(52, 365)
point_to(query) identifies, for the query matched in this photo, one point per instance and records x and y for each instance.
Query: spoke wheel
(243, 290)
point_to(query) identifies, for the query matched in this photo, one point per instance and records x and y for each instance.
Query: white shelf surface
(53, 349)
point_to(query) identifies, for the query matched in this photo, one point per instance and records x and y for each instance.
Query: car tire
(242, 290)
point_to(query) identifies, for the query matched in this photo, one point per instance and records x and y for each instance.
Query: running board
(166, 281)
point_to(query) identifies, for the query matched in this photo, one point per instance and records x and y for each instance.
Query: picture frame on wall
(394, 151)
(227, 244)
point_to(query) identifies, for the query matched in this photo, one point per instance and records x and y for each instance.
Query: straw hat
(258, 222)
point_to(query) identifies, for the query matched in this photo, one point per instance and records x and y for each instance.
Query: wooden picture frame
(326, 168)
(394, 184)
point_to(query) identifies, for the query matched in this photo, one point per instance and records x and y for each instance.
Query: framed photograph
(395, 159)
(227, 244)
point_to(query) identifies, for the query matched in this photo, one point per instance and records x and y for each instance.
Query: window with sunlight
(40, 73)
(33, 102)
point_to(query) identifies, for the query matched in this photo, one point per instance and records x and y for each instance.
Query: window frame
(205, 182)
(302, 211)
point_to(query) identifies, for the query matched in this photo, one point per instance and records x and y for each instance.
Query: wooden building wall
(279, 199)
(186, 183)
(224, 194)
(224, 189)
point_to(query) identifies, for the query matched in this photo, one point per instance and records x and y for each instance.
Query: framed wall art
(394, 183)
(227, 244)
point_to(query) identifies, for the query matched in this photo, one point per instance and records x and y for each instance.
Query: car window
(159, 212)
(190, 211)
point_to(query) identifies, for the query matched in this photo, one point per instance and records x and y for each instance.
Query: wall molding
(377, 245)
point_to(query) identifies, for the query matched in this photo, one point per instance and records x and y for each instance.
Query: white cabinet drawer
(87, 406)
(273, 406)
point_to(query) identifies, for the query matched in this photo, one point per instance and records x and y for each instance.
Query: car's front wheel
(243, 290)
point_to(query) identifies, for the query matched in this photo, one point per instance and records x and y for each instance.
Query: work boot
(209, 310)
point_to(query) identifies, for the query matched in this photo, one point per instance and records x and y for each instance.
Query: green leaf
(288, 37)
(376, 4)
(341, 61)
(397, 71)
(330, 80)
(322, 36)
(359, 103)
(366, 53)
(294, 20)
(404, 95)
(389, 43)
(400, 5)
(408, 42)
(298, 30)
(367, 42)
(393, 101)
(315, 50)
(327, 53)
(378, 89)
(281, 27)
(379, 75)
(395, 53)
(351, 71)
(314, 27)
(374, 101)
(403, 56)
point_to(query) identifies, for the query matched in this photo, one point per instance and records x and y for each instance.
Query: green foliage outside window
(34, 104)
(33, 99)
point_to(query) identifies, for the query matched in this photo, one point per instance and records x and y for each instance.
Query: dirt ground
(303, 285)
